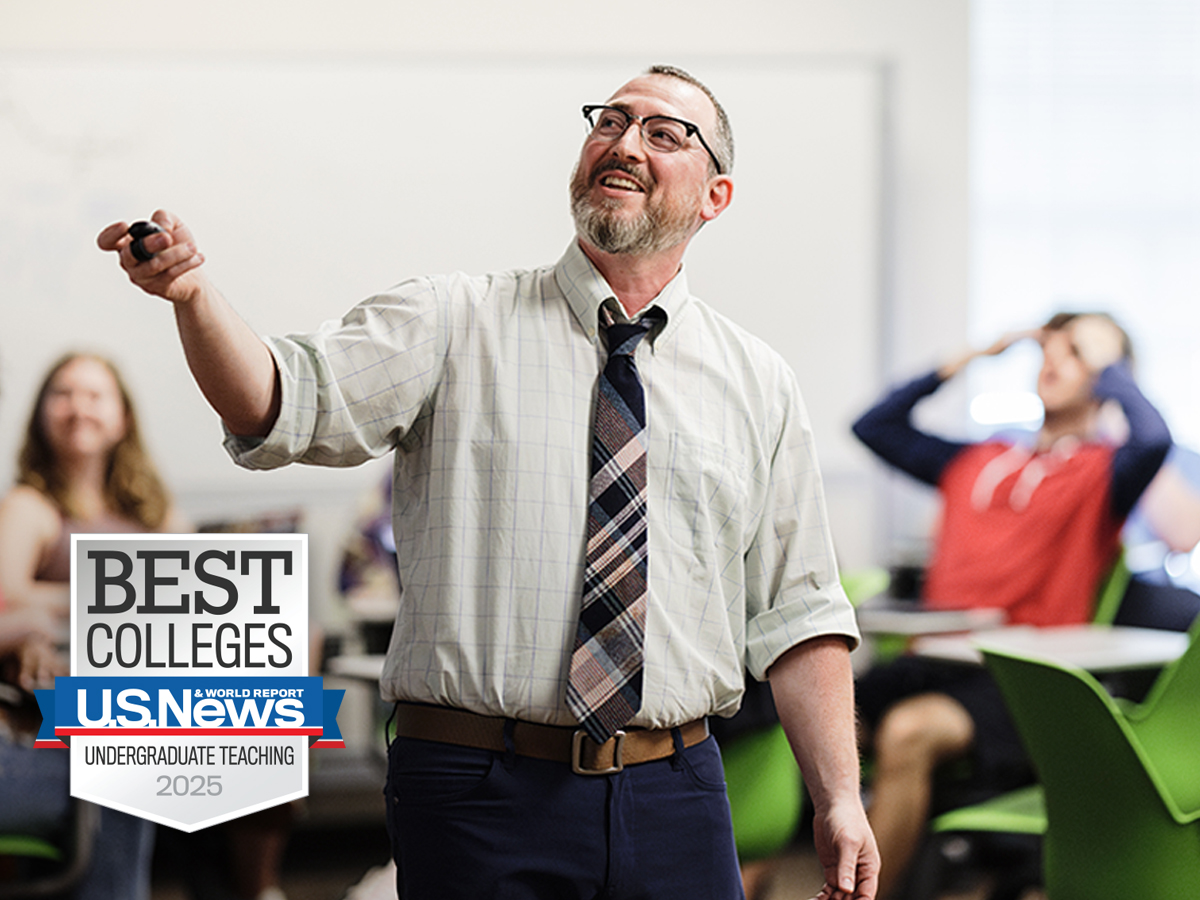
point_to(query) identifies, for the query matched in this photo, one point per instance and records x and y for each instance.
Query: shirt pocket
(706, 496)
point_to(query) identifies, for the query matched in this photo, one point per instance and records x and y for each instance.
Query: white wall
(925, 41)
(920, 46)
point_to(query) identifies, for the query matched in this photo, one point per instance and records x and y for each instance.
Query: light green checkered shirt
(483, 387)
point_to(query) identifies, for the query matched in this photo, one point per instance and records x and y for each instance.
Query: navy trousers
(470, 824)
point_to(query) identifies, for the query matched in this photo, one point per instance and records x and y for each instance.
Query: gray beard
(656, 229)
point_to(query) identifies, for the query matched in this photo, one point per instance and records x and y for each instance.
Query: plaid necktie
(604, 689)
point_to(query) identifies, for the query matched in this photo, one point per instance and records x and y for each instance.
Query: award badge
(189, 701)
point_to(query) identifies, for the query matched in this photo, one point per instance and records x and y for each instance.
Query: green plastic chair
(1112, 592)
(1022, 811)
(1165, 723)
(765, 792)
(1121, 814)
(50, 867)
(863, 584)
(28, 846)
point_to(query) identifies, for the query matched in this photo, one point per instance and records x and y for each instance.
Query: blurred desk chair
(1013, 821)
(44, 864)
(1112, 592)
(1119, 798)
(765, 791)
(1121, 810)
(49, 867)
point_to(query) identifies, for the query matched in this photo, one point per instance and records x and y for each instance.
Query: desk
(1096, 648)
(373, 607)
(365, 669)
(374, 612)
(365, 666)
(886, 615)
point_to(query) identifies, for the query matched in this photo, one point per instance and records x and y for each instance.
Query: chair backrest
(1167, 723)
(1114, 831)
(71, 852)
(1112, 592)
(863, 584)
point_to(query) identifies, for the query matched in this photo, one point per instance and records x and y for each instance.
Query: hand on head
(172, 272)
(1097, 341)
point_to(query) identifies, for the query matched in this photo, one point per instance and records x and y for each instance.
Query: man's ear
(718, 195)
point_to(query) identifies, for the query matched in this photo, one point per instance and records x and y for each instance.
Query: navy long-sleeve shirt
(887, 430)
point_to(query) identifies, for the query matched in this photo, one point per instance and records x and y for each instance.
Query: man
(485, 387)
(1032, 530)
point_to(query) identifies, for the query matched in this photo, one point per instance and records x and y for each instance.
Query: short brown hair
(722, 141)
(1061, 320)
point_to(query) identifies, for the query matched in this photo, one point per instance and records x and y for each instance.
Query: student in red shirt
(1032, 529)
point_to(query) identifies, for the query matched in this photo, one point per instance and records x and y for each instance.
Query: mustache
(610, 165)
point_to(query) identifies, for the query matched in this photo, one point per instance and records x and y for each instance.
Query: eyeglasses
(664, 134)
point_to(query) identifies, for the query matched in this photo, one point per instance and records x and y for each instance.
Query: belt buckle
(577, 746)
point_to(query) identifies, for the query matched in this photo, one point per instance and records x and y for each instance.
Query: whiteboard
(313, 184)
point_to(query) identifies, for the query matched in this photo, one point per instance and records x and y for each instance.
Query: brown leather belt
(550, 742)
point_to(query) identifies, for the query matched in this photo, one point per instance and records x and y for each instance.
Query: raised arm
(233, 367)
(1099, 344)
(1135, 462)
(887, 429)
(814, 695)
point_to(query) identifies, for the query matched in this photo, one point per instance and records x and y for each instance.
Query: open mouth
(616, 177)
(620, 183)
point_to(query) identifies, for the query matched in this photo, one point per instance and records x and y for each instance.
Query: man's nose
(630, 143)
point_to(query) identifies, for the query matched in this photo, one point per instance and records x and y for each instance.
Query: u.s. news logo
(189, 701)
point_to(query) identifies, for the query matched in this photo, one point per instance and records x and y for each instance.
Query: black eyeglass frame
(692, 129)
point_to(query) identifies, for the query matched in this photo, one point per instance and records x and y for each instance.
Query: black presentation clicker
(137, 231)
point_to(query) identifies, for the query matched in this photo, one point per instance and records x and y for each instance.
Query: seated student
(1032, 530)
(82, 469)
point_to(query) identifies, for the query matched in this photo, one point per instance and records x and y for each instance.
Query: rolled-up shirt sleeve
(792, 588)
(352, 390)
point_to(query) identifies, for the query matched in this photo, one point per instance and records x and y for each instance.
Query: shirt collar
(586, 291)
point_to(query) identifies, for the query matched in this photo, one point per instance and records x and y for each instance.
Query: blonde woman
(82, 469)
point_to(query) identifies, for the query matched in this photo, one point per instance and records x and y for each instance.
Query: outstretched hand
(173, 272)
(232, 366)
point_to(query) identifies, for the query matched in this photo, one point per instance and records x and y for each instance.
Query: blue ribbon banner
(187, 706)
